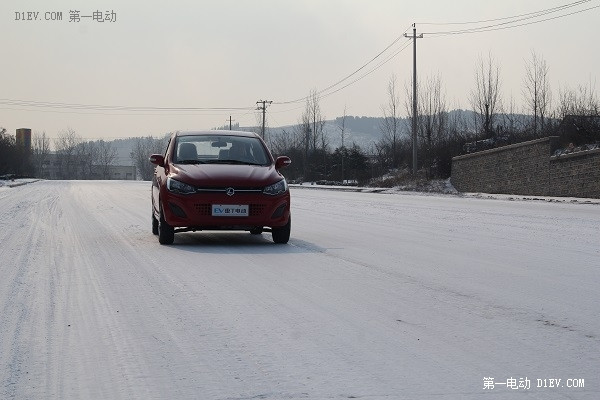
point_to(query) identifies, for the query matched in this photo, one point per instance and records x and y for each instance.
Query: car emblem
(230, 191)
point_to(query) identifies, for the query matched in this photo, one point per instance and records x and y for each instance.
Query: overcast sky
(201, 55)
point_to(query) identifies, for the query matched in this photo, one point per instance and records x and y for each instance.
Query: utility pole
(264, 110)
(230, 125)
(414, 37)
(343, 149)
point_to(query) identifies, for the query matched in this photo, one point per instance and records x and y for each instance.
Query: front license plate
(230, 210)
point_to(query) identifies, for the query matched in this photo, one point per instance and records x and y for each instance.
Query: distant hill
(364, 131)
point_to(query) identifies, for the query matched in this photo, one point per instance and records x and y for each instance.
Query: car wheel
(282, 235)
(154, 225)
(256, 231)
(166, 233)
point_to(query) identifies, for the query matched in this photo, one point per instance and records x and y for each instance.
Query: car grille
(206, 209)
(224, 190)
(203, 209)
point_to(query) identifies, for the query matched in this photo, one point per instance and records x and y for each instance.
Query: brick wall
(528, 169)
(576, 174)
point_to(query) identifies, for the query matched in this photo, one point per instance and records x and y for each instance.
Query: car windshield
(222, 149)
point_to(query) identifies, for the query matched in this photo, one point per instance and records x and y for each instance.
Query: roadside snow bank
(435, 186)
(547, 199)
(16, 182)
(444, 187)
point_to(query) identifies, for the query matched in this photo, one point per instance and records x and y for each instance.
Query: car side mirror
(282, 161)
(157, 159)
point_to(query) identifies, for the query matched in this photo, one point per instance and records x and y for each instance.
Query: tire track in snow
(22, 294)
(94, 325)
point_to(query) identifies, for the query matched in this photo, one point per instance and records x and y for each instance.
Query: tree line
(442, 134)
(13, 158)
(72, 157)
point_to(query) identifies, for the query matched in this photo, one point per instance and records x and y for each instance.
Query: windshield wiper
(235, 162)
(190, 162)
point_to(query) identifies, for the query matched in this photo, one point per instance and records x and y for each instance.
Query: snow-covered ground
(377, 296)
(9, 183)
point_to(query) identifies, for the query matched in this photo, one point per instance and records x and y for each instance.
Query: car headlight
(276, 188)
(179, 187)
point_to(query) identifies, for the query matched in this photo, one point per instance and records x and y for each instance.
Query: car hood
(225, 175)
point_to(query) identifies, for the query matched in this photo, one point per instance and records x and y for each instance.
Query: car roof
(216, 132)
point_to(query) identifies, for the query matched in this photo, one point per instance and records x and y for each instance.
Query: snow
(435, 186)
(377, 296)
(9, 183)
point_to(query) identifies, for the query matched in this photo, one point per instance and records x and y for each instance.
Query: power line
(288, 110)
(364, 75)
(146, 113)
(564, 6)
(406, 44)
(302, 99)
(513, 23)
(99, 107)
(489, 29)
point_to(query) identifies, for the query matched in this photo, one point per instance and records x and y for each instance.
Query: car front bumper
(194, 211)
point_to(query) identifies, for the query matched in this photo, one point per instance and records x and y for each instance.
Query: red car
(219, 180)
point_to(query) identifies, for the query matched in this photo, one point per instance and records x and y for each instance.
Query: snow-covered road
(377, 296)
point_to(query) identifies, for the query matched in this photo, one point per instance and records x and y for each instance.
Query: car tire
(166, 233)
(256, 231)
(282, 235)
(154, 225)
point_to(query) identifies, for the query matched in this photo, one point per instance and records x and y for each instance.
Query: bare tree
(580, 101)
(509, 120)
(536, 90)
(317, 119)
(258, 127)
(310, 129)
(390, 126)
(432, 118)
(580, 109)
(143, 148)
(66, 141)
(380, 151)
(458, 126)
(40, 149)
(66, 144)
(485, 98)
(303, 133)
(282, 142)
(106, 155)
(85, 156)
